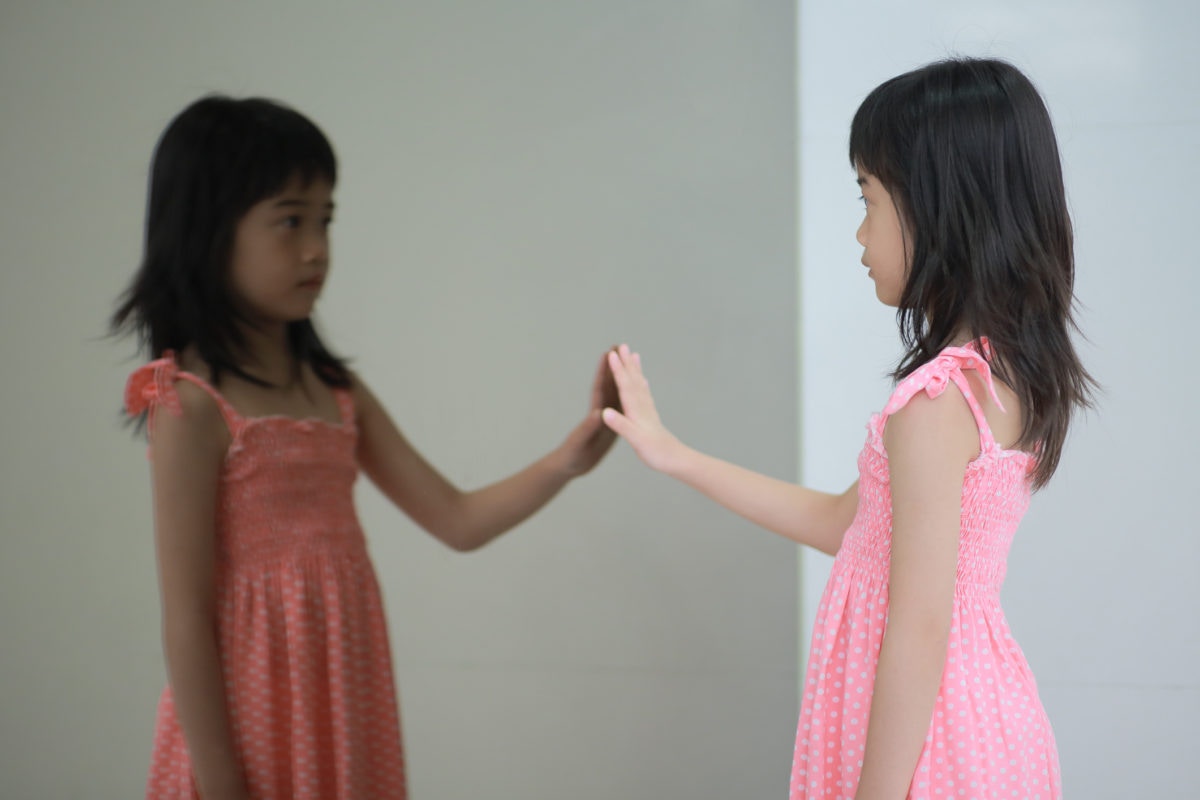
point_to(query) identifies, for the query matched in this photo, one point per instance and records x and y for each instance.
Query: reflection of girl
(280, 674)
(915, 686)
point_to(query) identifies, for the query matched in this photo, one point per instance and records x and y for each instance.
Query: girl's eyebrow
(290, 202)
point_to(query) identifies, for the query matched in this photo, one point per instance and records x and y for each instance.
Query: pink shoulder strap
(934, 376)
(345, 402)
(153, 385)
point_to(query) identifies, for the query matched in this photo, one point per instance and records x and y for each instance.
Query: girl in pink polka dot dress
(280, 676)
(915, 687)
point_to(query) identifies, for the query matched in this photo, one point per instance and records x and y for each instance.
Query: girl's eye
(292, 221)
(862, 200)
(327, 222)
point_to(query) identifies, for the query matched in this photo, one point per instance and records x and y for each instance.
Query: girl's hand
(639, 423)
(590, 441)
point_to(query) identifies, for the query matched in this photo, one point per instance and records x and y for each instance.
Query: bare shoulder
(373, 420)
(930, 442)
(926, 428)
(199, 426)
(364, 399)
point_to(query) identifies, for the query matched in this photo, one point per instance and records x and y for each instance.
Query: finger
(600, 382)
(619, 369)
(627, 387)
(635, 360)
(614, 362)
(606, 359)
(602, 368)
(609, 394)
(629, 359)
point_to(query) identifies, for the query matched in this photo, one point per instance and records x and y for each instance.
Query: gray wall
(1101, 590)
(523, 185)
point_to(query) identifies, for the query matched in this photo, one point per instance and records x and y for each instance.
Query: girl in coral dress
(280, 675)
(915, 687)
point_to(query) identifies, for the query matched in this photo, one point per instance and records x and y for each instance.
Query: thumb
(615, 420)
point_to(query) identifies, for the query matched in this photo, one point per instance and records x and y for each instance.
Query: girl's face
(281, 253)
(885, 247)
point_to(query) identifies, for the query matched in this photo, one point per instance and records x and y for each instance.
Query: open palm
(637, 420)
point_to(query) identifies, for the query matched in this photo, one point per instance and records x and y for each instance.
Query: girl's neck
(961, 338)
(269, 356)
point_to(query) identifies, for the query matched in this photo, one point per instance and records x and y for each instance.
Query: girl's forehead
(297, 186)
(300, 182)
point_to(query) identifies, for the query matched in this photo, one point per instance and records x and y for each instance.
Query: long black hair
(215, 160)
(966, 149)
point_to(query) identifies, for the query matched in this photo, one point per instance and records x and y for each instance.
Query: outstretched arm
(468, 520)
(929, 444)
(817, 519)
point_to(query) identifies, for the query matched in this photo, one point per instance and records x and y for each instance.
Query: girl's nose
(860, 234)
(316, 248)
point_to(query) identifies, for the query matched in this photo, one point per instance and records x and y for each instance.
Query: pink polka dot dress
(300, 628)
(989, 736)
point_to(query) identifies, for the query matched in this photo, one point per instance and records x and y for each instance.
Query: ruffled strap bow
(934, 376)
(153, 385)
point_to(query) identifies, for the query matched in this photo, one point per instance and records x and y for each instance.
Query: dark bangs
(268, 145)
(882, 131)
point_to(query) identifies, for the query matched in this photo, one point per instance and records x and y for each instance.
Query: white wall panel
(1101, 587)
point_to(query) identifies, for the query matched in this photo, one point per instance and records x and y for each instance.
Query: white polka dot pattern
(301, 630)
(989, 736)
